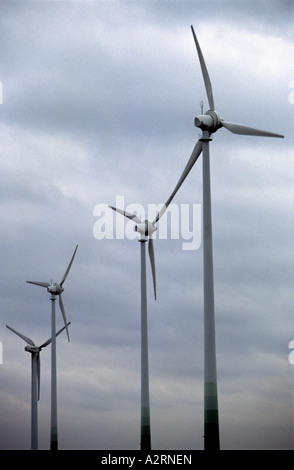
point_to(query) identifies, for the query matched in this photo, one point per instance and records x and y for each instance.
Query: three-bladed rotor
(57, 289)
(211, 121)
(35, 350)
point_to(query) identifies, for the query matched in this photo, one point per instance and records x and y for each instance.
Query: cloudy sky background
(99, 100)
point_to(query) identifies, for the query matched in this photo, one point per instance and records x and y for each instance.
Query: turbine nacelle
(33, 349)
(146, 228)
(210, 121)
(55, 289)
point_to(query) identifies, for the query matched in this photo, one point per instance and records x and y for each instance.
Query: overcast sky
(98, 107)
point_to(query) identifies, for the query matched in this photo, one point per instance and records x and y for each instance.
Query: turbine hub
(55, 289)
(32, 349)
(210, 121)
(146, 228)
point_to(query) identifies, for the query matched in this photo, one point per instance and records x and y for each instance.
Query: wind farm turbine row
(55, 290)
(209, 123)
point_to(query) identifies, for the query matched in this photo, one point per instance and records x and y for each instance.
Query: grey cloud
(99, 101)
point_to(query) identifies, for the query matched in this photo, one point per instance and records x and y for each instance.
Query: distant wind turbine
(146, 229)
(209, 123)
(35, 381)
(55, 289)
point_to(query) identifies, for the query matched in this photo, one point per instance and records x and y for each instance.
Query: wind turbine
(35, 381)
(209, 123)
(55, 290)
(146, 229)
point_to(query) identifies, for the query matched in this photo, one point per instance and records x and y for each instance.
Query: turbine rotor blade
(194, 156)
(192, 160)
(152, 262)
(50, 339)
(162, 210)
(133, 217)
(204, 73)
(42, 284)
(69, 266)
(245, 130)
(63, 315)
(27, 340)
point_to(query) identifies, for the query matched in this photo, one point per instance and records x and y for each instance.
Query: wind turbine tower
(145, 229)
(209, 123)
